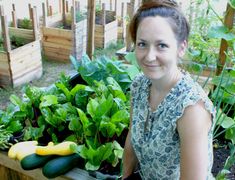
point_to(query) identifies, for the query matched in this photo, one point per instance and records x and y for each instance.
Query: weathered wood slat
(57, 52)
(23, 51)
(57, 40)
(22, 33)
(57, 32)
(57, 46)
(26, 64)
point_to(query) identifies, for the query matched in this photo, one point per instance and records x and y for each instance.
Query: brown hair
(164, 8)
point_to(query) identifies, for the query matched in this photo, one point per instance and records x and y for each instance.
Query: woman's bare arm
(130, 160)
(193, 130)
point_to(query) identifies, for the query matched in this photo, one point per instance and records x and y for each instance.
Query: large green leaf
(221, 32)
(230, 134)
(91, 107)
(104, 107)
(48, 100)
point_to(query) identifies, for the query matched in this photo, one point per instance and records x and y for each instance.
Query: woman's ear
(182, 48)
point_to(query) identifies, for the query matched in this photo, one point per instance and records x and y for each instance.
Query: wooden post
(5, 33)
(91, 28)
(130, 7)
(47, 4)
(30, 12)
(103, 14)
(228, 22)
(63, 11)
(14, 18)
(73, 26)
(50, 11)
(60, 6)
(116, 8)
(1, 10)
(67, 6)
(122, 10)
(34, 23)
(78, 7)
(44, 15)
(111, 5)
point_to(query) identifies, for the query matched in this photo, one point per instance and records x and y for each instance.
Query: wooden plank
(18, 52)
(60, 47)
(3, 57)
(57, 40)
(91, 28)
(29, 58)
(24, 69)
(49, 31)
(57, 52)
(22, 33)
(111, 25)
(99, 29)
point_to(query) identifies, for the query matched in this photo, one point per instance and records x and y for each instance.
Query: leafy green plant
(17, 41)
(100, 69)
(25, 23)
(93, 112)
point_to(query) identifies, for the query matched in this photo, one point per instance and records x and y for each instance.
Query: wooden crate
(106, 28)
(23, 64)
(58, 44)
(11, 169)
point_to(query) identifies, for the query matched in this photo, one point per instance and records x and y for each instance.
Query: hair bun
(168, 3)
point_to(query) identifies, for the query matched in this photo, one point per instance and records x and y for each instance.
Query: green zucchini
(61, 165)
(34, 161)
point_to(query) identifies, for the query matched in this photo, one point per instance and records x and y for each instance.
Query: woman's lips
(151, 65)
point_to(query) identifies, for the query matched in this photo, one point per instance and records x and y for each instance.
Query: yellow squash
(22, 149)
(62, 149)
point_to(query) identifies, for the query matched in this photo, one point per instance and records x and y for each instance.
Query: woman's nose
(151, 54)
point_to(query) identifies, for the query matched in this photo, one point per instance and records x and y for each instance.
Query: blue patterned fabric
(156, 143)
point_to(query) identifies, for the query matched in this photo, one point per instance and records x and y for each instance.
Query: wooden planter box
(11, 169)
(58, 44)
(106, 29)
(23, 64)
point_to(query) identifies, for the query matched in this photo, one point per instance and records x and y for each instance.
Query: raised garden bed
(63, 35)
(106, 28)
(22, 64)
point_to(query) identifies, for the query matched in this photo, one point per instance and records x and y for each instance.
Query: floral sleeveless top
(156, 143)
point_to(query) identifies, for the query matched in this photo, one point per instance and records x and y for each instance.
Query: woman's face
(157, 50)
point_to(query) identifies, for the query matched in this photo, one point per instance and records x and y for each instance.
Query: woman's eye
(162, 46)
(141, 44)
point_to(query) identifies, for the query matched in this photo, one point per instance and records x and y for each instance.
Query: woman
(172, 119)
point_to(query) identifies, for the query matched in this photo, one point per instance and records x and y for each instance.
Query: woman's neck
(167, 82)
